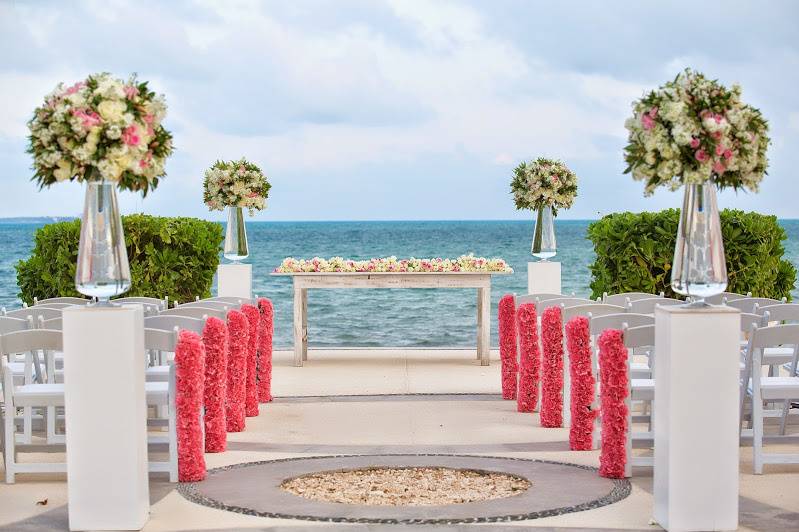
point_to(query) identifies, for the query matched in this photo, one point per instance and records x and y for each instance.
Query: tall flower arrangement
(543, 183)
(101, 128)
(235, 184)
(693, 130)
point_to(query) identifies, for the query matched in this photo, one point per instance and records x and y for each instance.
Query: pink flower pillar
(265, 335)
(613, 392)
(238, 340)
(189, 384)
(507, 345)
(251, 400)
(216, 349)
(530, 358)
(578, 342)
(552, 368)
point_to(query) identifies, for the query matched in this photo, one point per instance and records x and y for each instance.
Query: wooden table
(305, 281)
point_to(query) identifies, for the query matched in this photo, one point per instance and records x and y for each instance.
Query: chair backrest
(31, 340)
(718, 299)
(749, 320)
(160, 340)
(169, 323)
(542, 305)
(196, 312)
(643, 336)
(67, 300)
(234, 301)
(220, 305)
(57, 306)
(780, 312)
(55, 324)
(532, 298)
(774, 336)
(592, 309)
(8, 324)
(647, 306)
(160, 303)
(34, 313)
(618, 321)
(621, 299)
(749, 304)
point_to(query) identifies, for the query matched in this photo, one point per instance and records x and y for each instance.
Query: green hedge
(634, 253)
(175, 257)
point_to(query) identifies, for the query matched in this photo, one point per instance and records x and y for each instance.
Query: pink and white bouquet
(235, 184)
(101, 128)
(464, 263)
(543, 182)
(693, 130)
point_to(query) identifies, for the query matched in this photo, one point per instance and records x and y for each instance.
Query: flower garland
(527, 325)
(464, 263)
(216, 348)
(507, 345)
(693, 130)
(552, 368)
(238, 340)
(235, 184)
(251, 397)
(101, 128)
(265, 335)
(189, 379)
(543, 182)
(614, 389)
(578, 342)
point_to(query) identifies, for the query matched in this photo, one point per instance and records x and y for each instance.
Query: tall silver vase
(102, 270)
(544, 246)
(236, 235)
(699, 269)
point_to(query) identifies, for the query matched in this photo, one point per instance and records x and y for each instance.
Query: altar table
(303, 281)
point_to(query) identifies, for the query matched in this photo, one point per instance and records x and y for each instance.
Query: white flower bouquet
(543, 182)
(235, 184)
(98, 129)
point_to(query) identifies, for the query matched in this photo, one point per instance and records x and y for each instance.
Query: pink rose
(718, 167)
(653, 112)
(719, 149)
(131, 135)
(76, 87)
(694, 143)
(728, 153)
(647, 121)
(701, 156)
(131, 91)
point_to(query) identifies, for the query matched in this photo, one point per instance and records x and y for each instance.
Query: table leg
(484, 345)
(298, 321)
(479, 324)
(305, 324)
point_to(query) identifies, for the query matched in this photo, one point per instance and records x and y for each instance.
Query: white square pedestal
(234, 280)
(696, 418)
(543, 277)
(106, 418)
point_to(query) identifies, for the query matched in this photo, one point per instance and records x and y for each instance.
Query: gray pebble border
(621, 489)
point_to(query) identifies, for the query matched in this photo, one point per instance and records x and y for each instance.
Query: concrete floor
(317, 412)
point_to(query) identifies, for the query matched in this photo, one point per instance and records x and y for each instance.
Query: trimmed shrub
(634, 253)
(175, 257)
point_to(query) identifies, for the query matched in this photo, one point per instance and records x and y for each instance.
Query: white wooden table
(304, 281)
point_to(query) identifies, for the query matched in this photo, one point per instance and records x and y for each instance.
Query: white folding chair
(231, 301)
(67, 300)
(196, 312)
(621, 299)
(769, 389)
(159, 370)
(33, 313)
(749, 304)
(639, 390)
(719, 299)
(647, 305)
(150, 301)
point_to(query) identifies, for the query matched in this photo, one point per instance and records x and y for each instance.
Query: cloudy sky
(397, 109)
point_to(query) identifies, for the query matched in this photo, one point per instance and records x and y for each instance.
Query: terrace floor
(396, 402)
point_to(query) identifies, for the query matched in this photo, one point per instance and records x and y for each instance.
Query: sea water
(391, 317)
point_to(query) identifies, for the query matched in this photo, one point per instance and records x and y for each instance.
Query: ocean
(385, 318)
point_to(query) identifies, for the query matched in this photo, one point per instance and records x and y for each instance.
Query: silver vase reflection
(102, 270)
(699, 269)
(236, 236)
(544, 246)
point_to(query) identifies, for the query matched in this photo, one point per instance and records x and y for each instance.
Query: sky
(397, 109)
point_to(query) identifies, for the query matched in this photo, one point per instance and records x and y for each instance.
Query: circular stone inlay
(254, 488)
(406, 486)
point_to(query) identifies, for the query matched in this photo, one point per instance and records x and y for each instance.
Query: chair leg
(628, 444)
(757, 439)
(173, 441)
(9, 445)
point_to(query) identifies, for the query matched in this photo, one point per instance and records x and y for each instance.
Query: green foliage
(175, 257)
(634, 253)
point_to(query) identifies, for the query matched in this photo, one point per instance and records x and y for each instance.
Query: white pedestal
(543, 277)
(106, 418)
(696, 418)
(234, 280)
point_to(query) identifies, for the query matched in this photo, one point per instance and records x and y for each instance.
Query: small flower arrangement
(235, 184)
(464, 263)
(693, 130)
(101, 128)
(543, 182)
